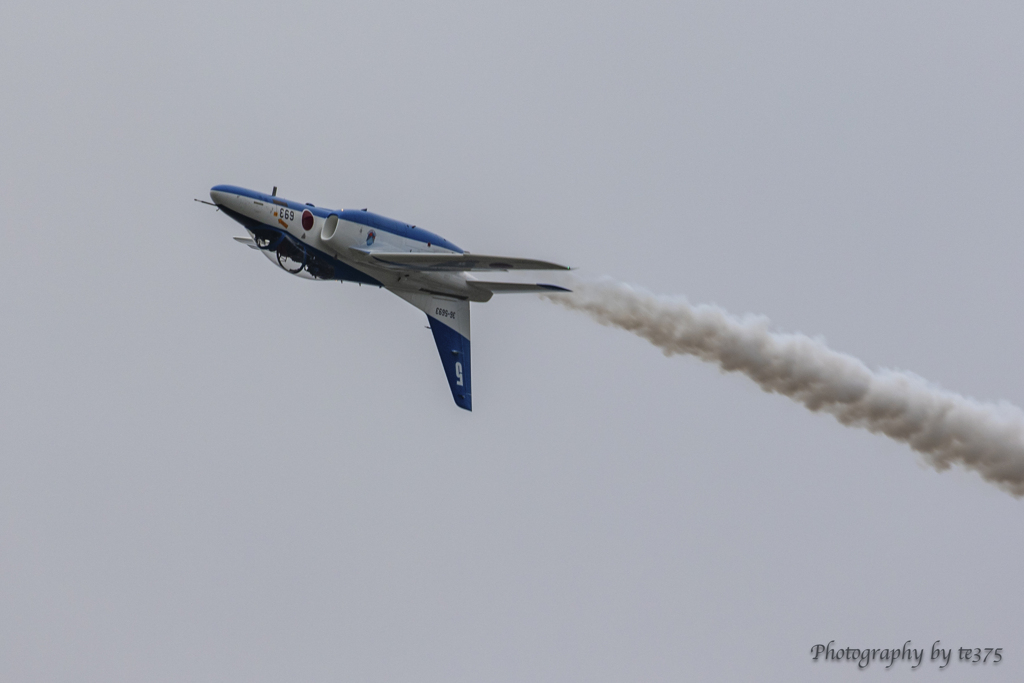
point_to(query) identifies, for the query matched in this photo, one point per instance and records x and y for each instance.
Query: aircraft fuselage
(327, 244)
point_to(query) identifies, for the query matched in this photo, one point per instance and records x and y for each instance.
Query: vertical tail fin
(449, 322)
(455, 357)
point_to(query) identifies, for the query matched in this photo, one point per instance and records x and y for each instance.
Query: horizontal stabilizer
(515, 287)
(436, 261)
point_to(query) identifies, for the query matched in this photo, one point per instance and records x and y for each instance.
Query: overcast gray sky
(213, 471)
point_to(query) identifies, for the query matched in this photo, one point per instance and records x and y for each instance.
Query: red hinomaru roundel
(307, 219)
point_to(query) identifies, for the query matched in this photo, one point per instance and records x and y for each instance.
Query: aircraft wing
(515, 287)
(458, 262)
(449, 322)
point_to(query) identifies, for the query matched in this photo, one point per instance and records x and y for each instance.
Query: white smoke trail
(945, 427)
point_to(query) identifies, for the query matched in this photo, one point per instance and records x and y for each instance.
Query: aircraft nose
(218, 195)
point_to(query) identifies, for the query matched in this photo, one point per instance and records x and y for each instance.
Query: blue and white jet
(425, 269)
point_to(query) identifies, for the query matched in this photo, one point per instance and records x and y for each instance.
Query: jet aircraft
(350, 245)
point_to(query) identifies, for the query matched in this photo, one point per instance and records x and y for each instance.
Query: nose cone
(219, 194)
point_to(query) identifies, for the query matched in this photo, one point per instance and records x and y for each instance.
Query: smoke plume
(945, 427)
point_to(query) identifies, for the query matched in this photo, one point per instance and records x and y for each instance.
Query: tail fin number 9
(458, 374)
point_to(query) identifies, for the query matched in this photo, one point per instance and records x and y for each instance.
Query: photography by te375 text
(913, 656)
